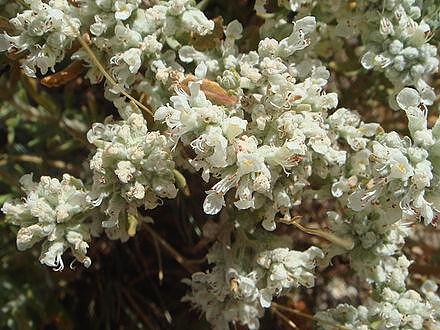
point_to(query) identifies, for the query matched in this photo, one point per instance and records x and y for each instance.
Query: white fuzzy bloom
(196, 21)
(54, 212)
(131, 166)
(125, 171)
(123, 9)
(133, 59)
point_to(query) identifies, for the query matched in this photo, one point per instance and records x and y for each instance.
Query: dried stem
(109, 78)
(308, 316)
(39, 161)
(160, 273)
(346, 243)
(133, 304)
(172, 251)
(284, 318)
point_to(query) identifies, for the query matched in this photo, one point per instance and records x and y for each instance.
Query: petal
(408, 97)
(213, 203)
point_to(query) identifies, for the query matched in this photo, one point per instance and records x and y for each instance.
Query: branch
(308, 316)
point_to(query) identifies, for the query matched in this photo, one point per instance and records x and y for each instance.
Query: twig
(144, 318)
(109, 78)
(21, 2)
(346, 243)
(181, 182)
(284, 318)
(160, 273)
(39, 161)
(308, 316)
(176, 255)
(203, 4)
(29, 85)
(9, 178)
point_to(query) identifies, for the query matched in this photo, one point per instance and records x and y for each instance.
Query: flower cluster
(286, 269)
(400, 46)
(127, 34)
(232, 292)
(53, 212)
(44, 31)
(396, 36)
(280, 129)
(388, 180)
(226, 295)
(394, 307)
(131, 167)
(131, 34)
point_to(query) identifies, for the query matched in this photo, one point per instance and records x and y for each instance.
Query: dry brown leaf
(64, 76)
(213, 91)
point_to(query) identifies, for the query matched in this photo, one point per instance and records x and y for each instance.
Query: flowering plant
(295, 180)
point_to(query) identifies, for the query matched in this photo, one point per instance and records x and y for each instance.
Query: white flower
(245, 195)
(123, 9)
(133, 59)
(51, 255)
(50, 211)
(136, 191)
(125, 171)
(28, 236)
(408, 97)
(215, 140)
(422, 174)
(234, 30)
(195, 20)
(297, 40)
(213, 203)
(233, 127)
(272, 66)
(201, 70)
(251, 163)
(151, 45)
(267, 47)
(399, 166)
(261, 183)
